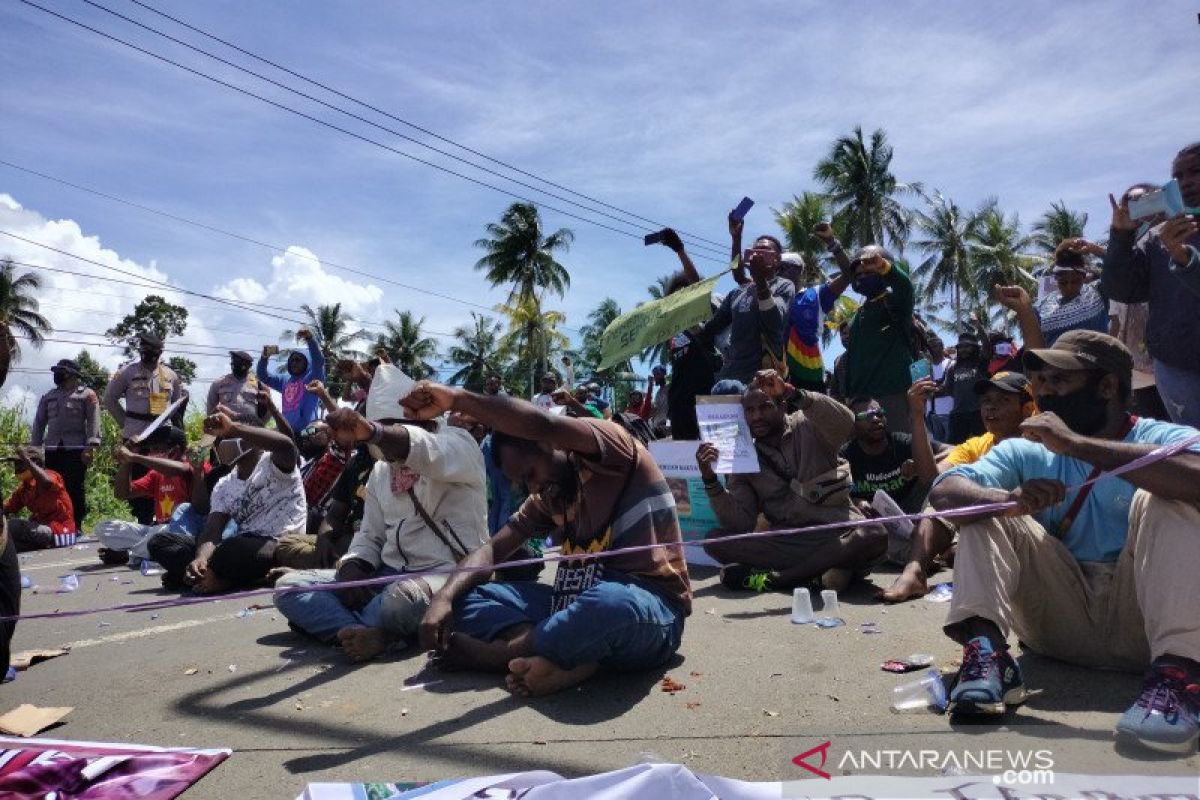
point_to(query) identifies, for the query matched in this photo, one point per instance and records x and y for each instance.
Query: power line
(332, 126)
(373, 124)
(412, 125)
(244, 306)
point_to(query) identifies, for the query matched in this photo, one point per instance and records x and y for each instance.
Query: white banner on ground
(723, 423)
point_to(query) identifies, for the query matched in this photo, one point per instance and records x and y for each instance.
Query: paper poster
(167, 413)
(656, 322)
(675, 459)
(723, 423)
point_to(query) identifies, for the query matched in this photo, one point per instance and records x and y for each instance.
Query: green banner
(656, 322)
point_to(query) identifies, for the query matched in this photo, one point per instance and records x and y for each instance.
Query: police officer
(148, 387)
(237, 391)
(67, 425)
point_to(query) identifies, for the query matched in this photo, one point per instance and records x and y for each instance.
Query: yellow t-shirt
(970, 451)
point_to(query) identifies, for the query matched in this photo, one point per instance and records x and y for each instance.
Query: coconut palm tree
(333, 330)
(19, 315)
(519, 253)
(476, 352)
(532, 337)
(796, 219)
(406, 346)
(1057, 224)
(999, 251)
(862, 190)
(599, 318)
(945, 233)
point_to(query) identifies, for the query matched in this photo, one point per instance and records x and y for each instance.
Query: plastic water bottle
(802, 610)
(926, 692)
(26, 582)
(152, 568)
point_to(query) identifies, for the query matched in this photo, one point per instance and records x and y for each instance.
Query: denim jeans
(396, 610)
(938, 426)
(1180, 392)
(617, 624)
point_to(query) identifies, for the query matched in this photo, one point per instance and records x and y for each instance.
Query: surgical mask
(1003, 349)
(869, 284)
(1082, 410)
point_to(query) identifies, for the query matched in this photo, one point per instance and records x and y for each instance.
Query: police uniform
(239, 395)
(146, 392)
(66, 423)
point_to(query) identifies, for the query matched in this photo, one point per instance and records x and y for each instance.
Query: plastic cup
(68, 583)
(151, 568)
(829, 603)
(802, 610)
(926, 692)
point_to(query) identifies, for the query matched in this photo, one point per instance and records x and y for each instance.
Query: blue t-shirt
(1102, 525)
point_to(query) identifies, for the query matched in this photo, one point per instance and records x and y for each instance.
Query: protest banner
(677, 462)
(655, 322)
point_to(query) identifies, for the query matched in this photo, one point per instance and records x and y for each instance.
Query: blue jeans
(1180, 393)
(397, 609)
(616, 624)
(938, 426)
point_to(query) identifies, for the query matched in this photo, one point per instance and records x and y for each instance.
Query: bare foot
(362, 643)
(910, 585)
(209, 583)
(465, 652)
(535, 676)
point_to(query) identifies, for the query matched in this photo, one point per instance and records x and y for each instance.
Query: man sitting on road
(600, 490)
(264, 496)
(51, 520)
(883, 460)
(426, 509)
(1005, 401)
(801, 481)
(1102, 576)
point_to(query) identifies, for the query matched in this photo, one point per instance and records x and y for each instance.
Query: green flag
(652, 323)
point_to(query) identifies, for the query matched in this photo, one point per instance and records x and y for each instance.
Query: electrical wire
(410, 124)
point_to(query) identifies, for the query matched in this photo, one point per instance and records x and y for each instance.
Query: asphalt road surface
(759, 691)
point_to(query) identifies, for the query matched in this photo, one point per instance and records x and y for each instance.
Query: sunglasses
(865, 416)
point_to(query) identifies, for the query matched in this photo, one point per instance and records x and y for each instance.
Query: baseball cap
(241, 355)
(68, 366)
(1082, 349)
(150, 338)
(1011, 382)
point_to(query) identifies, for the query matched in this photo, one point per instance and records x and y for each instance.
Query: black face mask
(240, 370)
(1083, 410)
(869, 284)
(61, 378)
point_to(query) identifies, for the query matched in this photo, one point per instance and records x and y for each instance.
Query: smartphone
(920, 370)
(738, 214)
(654, 238)
(1168, 200)
(271, 350)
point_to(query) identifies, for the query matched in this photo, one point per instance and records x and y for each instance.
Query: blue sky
(674, 111)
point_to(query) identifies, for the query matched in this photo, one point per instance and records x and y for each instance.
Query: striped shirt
(641, 507)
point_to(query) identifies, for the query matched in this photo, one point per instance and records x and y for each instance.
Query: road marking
(57, 565)
(143, 632)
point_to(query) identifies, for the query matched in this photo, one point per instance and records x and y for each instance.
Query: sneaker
(113, 557)
(740, 577)
(987, 682)
(1164, 718)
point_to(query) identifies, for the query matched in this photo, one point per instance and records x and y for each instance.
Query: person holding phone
(299, 406)
(1162, 268)
(806, 314)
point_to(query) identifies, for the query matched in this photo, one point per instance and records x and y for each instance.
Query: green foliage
(337, 340)
(476, 352)
(152, 315)
(95, 376)
(14, 432)
(185, 368)
(19, 315)
(860, 187)
(407, 346)
(102, 503)
(1057, 224)
(599, 318)
(519, 254)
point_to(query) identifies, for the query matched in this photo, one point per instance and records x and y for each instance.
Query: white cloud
(298, 277)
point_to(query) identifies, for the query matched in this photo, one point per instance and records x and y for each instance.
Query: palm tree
(599, 318)
(19, 315)
(861, 188)
(476, 352)
(518, 253)
(796, 219)
(946, 232)
(406, 346)
(532, 337)
(1057, 224)
(999, 251)
(332, 328)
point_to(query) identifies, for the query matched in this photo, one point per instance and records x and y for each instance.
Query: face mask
(1004, 349)
(60, 378)
(869, 284)
(240, 370)
(1082, 410)
(24, 475)
(230, 451)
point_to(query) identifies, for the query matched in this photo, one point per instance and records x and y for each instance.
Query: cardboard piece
(26, 720)
(27, 658)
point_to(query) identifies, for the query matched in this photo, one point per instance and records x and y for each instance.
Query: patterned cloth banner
(94, 771)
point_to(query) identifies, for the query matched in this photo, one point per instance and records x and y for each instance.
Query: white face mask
(230, 451)
(1003, 349)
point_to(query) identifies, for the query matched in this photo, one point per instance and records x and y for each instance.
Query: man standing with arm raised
(590, 479)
